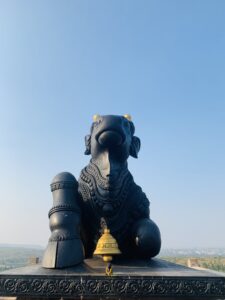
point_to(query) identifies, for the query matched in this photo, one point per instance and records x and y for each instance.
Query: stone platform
(131, 279)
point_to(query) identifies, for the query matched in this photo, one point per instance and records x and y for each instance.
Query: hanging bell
(107, 246)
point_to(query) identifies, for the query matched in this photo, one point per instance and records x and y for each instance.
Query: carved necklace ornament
(105, 198)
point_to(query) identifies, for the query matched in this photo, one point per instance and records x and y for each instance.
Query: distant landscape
(208, 258)
(16, 256)
(12, 256)
(193, 252)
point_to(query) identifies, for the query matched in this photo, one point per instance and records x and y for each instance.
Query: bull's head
(110, 143)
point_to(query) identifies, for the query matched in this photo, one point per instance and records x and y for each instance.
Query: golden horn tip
(95, 118)
(128, 117)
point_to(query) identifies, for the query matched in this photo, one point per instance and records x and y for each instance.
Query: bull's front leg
(64, 248)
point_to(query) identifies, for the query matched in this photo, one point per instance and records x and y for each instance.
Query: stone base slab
(131, 279)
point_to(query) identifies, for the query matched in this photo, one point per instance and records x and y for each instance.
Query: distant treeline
(212, 263)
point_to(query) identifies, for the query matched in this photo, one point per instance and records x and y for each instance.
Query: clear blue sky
(163, 62)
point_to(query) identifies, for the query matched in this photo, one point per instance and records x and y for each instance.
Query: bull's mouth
(110, 137)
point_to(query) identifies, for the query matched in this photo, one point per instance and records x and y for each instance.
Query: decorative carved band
(113, 286)
(63, 207)
(63, 236)
(63, 185)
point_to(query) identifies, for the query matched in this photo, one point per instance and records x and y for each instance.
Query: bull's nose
(109, 138)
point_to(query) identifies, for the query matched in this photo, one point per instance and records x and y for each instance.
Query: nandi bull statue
(105, 191)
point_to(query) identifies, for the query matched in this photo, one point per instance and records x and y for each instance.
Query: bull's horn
(95, 118)
(128, 117)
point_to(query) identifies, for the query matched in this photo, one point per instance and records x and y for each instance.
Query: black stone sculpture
(108, 191)
(105, 193)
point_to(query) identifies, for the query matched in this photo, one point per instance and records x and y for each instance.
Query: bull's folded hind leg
(147, 238)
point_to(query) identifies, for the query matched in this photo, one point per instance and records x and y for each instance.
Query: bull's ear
(87, 144)
(135, 146)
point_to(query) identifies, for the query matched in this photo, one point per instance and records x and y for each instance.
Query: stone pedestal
(154, 279)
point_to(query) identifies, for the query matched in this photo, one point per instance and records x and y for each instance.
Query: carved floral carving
(102, 286)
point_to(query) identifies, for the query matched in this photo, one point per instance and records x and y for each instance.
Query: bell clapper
(109, 270)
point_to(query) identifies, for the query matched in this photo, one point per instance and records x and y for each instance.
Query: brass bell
(107, 246)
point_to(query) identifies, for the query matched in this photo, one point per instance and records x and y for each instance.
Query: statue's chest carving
(105, 198)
